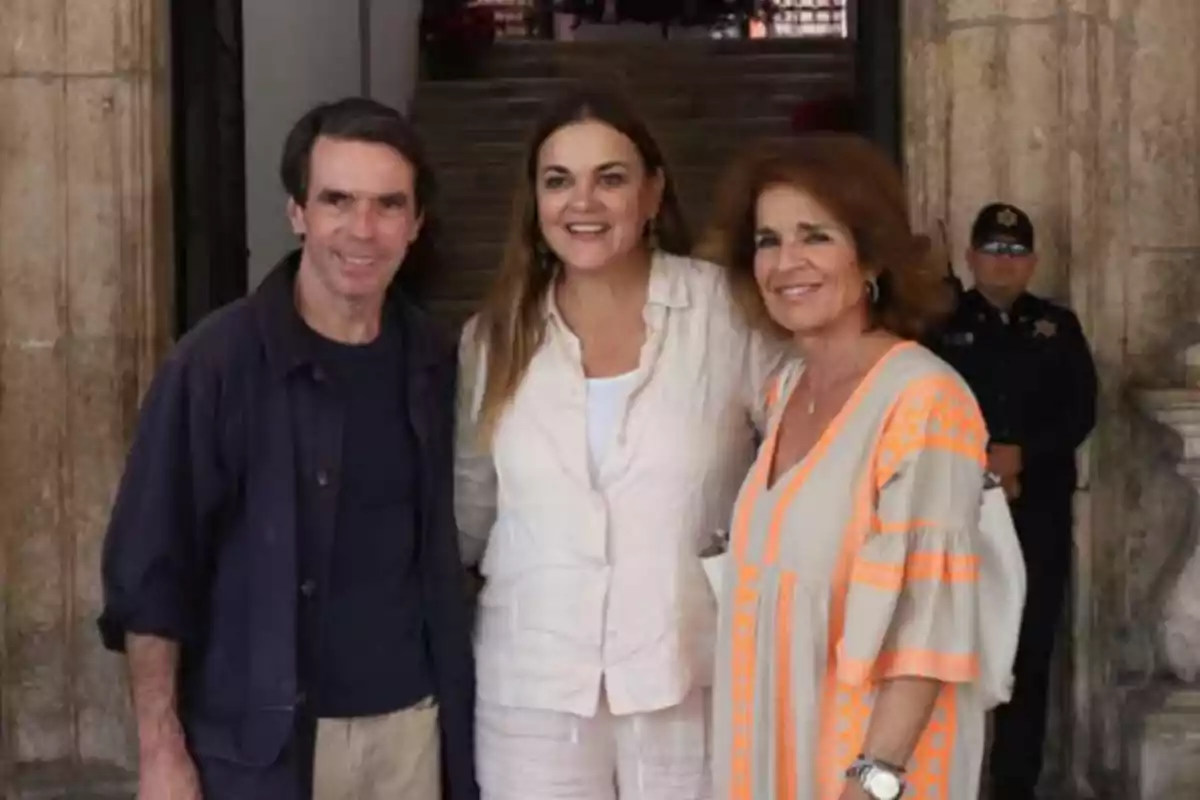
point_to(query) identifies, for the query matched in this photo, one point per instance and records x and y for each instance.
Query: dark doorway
(877, 73)
(209, 174)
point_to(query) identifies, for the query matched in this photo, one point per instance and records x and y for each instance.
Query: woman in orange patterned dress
(848, 657)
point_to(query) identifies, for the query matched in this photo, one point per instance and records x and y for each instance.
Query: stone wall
(84, 293)
(1083, 112)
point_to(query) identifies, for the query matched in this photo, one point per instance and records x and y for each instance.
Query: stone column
(1163, 751)
(1083, 112)
(84, 298)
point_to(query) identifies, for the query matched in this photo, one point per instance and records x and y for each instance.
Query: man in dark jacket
(281, 566)
(1029, 365)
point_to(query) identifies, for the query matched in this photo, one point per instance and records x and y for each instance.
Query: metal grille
(793, 18)
(759, 19)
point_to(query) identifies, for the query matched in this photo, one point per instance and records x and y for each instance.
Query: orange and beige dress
(858, 565)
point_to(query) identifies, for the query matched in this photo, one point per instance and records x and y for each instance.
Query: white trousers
(525, 754)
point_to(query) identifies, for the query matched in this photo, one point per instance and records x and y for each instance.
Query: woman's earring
(873, 290)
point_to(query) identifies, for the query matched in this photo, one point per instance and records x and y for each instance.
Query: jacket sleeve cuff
(159, 621)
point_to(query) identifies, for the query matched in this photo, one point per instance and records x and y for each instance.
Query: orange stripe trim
(817, 451)
(917, 567)
(831, 760)
(743, 643)
(972, 449)
(936, 413)
(907, 526)
(785, 712)
(773, 390)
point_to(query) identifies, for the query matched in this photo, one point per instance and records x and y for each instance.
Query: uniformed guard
(1030, 367)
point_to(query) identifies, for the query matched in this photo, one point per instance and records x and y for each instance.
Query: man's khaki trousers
(394, 756)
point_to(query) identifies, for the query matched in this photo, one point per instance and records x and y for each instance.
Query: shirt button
(308, 588)
(301, 698)
(322, 478)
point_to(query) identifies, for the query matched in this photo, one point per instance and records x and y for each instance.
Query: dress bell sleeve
(912, 601)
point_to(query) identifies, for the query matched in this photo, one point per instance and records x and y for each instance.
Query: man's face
(359, 218)
(1002, 268)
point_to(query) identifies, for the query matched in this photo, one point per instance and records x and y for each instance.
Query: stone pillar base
(71, 781)
(1163, 744)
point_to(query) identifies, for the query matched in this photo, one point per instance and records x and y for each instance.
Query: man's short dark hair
(353, 119)
(361, 119)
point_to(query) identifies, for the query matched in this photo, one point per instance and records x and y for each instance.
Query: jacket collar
(288, 341)
(1024, 305)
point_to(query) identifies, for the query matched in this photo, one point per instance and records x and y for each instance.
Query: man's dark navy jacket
(203, 543)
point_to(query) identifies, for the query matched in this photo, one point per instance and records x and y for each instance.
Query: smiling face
(358, 220)
(806, 264)
(594, 195)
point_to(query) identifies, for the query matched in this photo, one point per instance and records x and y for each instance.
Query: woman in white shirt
(607, 410)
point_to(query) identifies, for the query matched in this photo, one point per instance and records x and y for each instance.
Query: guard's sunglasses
(1004, 249)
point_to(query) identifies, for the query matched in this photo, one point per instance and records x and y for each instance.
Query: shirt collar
(668, 285)
(668, 281)
(288, 339)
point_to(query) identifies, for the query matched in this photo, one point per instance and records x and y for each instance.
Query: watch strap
(864, 766)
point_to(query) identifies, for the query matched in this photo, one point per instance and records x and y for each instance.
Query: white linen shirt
(595, 584)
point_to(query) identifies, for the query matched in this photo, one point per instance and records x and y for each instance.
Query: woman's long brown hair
(512, 323)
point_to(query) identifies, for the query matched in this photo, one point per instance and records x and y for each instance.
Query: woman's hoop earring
(873, 290)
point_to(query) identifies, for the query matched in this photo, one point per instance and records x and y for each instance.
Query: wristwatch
(880, 780)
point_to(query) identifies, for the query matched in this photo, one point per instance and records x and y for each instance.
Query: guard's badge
(1044, 327)
(1006, 217)
(964, 339)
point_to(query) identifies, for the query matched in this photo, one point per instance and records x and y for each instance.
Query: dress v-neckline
(795, 474)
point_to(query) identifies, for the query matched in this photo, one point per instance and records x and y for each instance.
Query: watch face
(881, 785)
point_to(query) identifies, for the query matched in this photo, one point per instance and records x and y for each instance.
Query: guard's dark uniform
(1033, 375)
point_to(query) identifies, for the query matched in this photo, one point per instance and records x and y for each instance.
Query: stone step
(739, 101)
(71, 781)
(550, 59)
(539, 49)
(452, 314)
(467, 281)
(664, 81)
(468, 178)
(653, 68)
(682, 141)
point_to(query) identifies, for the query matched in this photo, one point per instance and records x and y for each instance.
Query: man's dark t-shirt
(363, 628)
